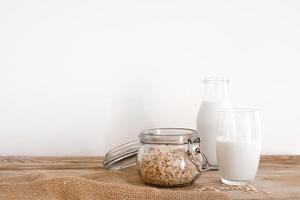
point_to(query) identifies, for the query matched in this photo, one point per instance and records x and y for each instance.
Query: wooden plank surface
(278, 176)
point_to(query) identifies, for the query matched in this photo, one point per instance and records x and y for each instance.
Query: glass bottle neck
(215, 90)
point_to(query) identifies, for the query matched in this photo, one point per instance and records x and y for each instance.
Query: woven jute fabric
(74, 184)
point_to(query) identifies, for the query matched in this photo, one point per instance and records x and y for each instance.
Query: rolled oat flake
(170, 157)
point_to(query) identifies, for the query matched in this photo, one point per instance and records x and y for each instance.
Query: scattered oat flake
(229, 188)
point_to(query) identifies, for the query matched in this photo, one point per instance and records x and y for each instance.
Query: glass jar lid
(121, 156)
(168, 136)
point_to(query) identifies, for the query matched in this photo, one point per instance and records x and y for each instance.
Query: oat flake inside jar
(169, 157)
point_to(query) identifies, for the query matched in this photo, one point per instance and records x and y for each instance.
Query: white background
(79, 77)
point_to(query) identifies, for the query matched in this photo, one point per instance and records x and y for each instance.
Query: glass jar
(169, 157)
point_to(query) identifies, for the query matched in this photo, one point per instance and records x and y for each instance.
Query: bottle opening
(215, 79)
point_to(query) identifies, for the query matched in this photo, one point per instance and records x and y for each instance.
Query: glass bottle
(215, 98)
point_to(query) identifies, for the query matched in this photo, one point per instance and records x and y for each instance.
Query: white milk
(206, 125)
(215, 98)
(238, 161)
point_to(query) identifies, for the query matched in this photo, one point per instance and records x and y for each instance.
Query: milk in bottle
(215, 98)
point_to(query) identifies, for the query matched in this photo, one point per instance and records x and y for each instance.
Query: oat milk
(237, 160)
(215, 98)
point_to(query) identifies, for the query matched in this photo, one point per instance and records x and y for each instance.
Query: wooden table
(278, 176)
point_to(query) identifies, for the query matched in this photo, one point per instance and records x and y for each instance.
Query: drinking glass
(238, 145)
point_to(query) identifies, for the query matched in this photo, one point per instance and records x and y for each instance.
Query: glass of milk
(238, 145)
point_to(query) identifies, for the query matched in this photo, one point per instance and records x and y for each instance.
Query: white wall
(78, 77)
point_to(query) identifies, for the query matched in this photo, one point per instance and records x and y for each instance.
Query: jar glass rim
(215, 79)
(167, 135)
(239, 110)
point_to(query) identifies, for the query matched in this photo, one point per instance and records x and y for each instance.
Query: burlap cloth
(74, 184)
